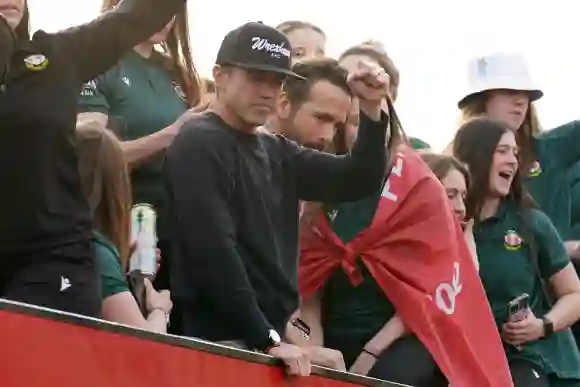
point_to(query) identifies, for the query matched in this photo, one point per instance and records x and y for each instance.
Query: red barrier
(41, 348)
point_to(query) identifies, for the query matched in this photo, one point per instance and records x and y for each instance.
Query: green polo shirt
(352, 315)
(109, 264)
(141, 97)
(557, 151)
(417, 143)
(507, 271)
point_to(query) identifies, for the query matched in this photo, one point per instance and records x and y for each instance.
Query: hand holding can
(144, 236)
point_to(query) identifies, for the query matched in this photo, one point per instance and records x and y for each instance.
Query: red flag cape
(416, 251)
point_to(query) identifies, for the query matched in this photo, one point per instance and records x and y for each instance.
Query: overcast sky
(430, 41)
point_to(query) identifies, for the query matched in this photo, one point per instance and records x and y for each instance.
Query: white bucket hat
(499, 71)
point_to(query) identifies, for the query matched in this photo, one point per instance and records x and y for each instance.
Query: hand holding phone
(518, 308)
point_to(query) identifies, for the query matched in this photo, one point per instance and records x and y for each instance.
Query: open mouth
(506, 175)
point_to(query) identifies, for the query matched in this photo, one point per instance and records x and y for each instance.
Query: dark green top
(507, 271)
(112, 279)
(417, 143)
(141, 97)
(575, 202)
(349, 312)
(557, 150)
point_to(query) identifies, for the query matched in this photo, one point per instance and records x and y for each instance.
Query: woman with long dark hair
(455, 179)
(530, 283)
(46, 248)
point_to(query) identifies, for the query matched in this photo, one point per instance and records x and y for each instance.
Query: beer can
(144, 236)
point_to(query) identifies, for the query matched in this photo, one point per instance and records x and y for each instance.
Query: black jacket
(41, 201)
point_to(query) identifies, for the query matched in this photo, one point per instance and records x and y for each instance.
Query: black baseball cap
(256, 46)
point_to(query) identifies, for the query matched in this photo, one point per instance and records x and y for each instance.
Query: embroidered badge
(535, 169)
(179, 91)
(512, 241)
(89, 89)
(332, 215)
(36, 62)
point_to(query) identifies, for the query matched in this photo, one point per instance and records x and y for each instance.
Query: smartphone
(518, 308)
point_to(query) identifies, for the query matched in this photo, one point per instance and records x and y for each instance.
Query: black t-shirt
(233, 201)
(41, 202)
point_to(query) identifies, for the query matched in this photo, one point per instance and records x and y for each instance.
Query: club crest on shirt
(332, 215)
(89, 89)
(36, 62)
(179, 91)
(512, 241)
(535, 169)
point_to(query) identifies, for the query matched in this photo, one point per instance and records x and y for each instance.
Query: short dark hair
(289, 26)
(314, 70)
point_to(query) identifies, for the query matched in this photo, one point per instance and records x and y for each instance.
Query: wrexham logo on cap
(275, 50)
(535, 169)
(512, 241)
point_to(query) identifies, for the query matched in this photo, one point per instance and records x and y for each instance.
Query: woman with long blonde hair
(147, 96)
(105, 181)
(307, 40)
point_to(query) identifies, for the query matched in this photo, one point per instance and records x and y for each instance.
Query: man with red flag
(415, 252)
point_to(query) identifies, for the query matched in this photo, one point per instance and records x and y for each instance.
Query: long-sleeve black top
(41, 201)
(233, 199)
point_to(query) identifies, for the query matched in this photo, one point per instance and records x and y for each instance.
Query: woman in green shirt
(145, 99)
(105, 182)
(520, 252)
(501, 88)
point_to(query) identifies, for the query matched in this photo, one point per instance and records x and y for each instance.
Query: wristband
(370, 353)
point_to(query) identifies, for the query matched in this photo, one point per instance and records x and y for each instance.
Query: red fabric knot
(350, 267)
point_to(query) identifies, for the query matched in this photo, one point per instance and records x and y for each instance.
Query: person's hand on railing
(296, 358)
(326, 357)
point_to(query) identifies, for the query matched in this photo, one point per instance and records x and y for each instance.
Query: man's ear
(284, 106)
(220, 76)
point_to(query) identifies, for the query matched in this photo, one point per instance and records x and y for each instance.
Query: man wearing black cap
(233, 196)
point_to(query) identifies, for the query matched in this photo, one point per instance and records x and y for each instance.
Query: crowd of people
(295, 216)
